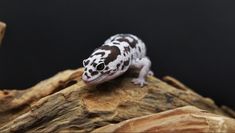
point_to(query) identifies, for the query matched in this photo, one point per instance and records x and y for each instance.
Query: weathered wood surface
(64, 103)
(188, 119)
(2, 31)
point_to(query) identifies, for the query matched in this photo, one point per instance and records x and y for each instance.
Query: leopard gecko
(118, 53)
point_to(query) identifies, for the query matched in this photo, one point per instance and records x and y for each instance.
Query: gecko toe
(139, 81)
(150, 73)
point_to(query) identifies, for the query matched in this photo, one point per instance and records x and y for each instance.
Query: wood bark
(64, 103)
(186, 119)
(2, 31)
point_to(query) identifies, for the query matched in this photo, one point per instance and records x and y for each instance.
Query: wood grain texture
(186, 119)
(2, 31)
(64, 103)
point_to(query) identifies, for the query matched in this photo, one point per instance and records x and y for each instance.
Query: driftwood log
(2, 31)
(185, 119)
(64, 103)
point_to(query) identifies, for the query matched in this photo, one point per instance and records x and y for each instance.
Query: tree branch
(2, 31)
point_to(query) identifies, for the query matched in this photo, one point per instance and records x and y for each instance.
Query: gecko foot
(139, 81)
(150, 73)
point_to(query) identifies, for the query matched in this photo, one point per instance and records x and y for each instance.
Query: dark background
(193, 41)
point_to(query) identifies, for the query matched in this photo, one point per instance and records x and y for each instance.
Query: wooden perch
(64, 103)
(187, 119)
(2, 31)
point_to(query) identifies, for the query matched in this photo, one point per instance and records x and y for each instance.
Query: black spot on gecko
(93, 61)
(106, 68)
(100, 53)
(123, 66)
(94, 64)
(87, 75)
(94, 73)
(111, 73)
(123, 39)
(139, 49)
(113, 39)
(106, 72)
(127, 49)
(90, 71)
(115, 51)
(134, 42)
(118, 65)
(127, 62)
(116, 43)
(86, 62)
(132, 57)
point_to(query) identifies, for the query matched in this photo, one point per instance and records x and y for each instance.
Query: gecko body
(119, 53)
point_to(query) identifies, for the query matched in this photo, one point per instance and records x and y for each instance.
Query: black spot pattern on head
(123, 66)
(116, 43)
(127, 49)
(127, 62)
(139, 49)
(106, 72)
(115, 51)
(100, 53)
(94, 73)
(93, 61)
(111, 73)
(113, 39)
(90, 71)
(87, 75)
(86, 62)
(106, 68)
(118, 65)
(94, 64)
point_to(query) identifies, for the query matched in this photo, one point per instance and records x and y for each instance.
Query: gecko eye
(100, 67)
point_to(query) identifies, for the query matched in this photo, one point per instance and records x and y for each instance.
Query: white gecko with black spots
(119, 53)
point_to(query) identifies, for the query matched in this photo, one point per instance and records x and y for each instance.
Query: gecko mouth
(90, 80)
(96, 80)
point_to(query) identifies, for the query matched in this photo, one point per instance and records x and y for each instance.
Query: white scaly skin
(119, 53)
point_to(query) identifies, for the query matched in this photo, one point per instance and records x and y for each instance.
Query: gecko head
(95, 71)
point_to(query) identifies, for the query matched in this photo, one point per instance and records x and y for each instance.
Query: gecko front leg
(144, 65)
